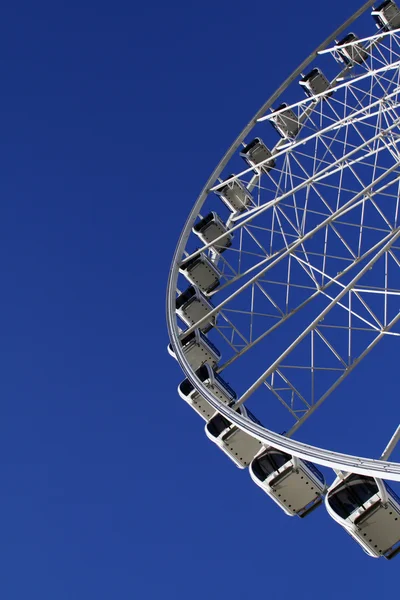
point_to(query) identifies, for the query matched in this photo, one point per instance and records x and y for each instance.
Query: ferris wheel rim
(337, 461)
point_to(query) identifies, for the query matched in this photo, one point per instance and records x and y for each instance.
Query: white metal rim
(335, 460)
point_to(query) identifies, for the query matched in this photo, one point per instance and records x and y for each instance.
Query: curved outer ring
(335, 460)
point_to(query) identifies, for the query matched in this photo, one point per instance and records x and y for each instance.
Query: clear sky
(112, 117)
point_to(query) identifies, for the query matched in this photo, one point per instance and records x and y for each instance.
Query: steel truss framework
(315, 259)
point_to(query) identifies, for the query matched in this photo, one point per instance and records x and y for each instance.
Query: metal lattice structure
(306, 263)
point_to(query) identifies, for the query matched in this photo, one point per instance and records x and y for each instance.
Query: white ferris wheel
(287, 274)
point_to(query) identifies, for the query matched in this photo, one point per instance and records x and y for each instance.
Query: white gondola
(297, 486)
(354, 53)
(314, 83)
(191, 306)
(286, 123)
(214, 383)
(198, 350)
(210, 228)
(254, 153)
(235, 196)
(238, 445)
(201, 272)
(387, 16)
(369, 510)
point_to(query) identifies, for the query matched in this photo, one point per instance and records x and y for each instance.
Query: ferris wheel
(287, 275)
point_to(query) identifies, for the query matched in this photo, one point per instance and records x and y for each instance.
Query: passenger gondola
(355, 53)
(387, 16)
(235, 195)
(201, 272)
(315, 83)
(198, 350)
(369, 510)
(297, 486)
(256, 152)
(237, 444)
(214, 383)
(191, 306)
(286, 122)
(212, 227)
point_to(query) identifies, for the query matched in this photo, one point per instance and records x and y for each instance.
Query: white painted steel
(375, 525)
(296, 487)
(391, 445)
(384, 138)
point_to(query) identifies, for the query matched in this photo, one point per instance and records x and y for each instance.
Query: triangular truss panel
(311, 280)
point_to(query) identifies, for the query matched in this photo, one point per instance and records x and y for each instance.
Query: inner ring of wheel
(335, 460)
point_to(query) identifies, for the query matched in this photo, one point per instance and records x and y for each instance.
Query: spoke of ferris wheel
(331, 168)
(377, 44)
(306, 101)
(382, 80)
(260, 287)
(358, 160)
(350, 205)
(302, 141)
(288, 385)
(355, 293)
(386, 294)
(349, 369)
(320, 195)
(324, 214)
(345, 371)
(320, 290)
(251, 214)
(329, 150)
(330, 210)
(305, 183)
(317, 99)
(342, 210)
(391, 238)
(317, 293)
(377, 327)
(282, 401)
(365, 290)
(220, 328)
(371, 38)
(287, 234)
(391, 445)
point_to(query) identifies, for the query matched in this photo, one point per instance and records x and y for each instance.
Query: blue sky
(112, 117)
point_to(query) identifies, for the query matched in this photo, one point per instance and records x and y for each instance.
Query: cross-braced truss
(312, 274)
